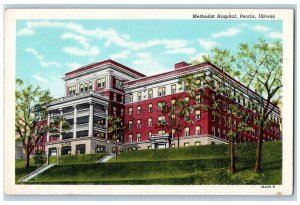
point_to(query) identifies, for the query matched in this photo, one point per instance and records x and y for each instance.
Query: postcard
(148, 101)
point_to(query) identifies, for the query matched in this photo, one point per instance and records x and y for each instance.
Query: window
(139, 96)
(186, 86)
(172, 145)
(150, 108)
(187, 99)
(161, 91)
(139, 109)
(122, 112)
(161, 105)
(130, 111)
(173, 89)
(186, 144)
(101, 83)
(161, 119)
(130, 98)
(122, 99)
(161, 132)
(138, 137)
(72, 90)
(90, 85)
(186, 131)
(149, 147)
(150, 94)
(224, 134)
(130, 124)
(197, 114)
(198, 131)
(213, 116)
(173, 133)
(85, 87)
(197, 143)
(173, 102)
(81, 88)
(219, 133)
(114, 111)
(149, 135)
(173, 116)
(213, 130)
(198, 99)
(150, 122)
(115, 97)
(224, 121)
(234, 124)
(138, 125)
(119, 84)
(130, 138)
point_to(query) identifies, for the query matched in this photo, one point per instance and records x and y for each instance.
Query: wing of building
(95, 91)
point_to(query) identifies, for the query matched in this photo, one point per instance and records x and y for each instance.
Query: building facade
(95, 91)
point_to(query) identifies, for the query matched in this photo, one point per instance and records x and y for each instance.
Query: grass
(21, 171)
(188, 165)
(76, 159)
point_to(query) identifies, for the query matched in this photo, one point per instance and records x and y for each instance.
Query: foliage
(116, 127)
(30, 120)
(39, 158)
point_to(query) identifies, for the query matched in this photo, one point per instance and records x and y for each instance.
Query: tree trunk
(117, 150)
(27, 158)
(258, 151)
(232, 157)
(178, 141)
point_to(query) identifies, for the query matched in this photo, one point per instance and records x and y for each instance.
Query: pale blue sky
(46, 49)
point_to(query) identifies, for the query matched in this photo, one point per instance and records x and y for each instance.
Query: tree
(31, 111)
(216, 94)
(175, 117)
(258, 66)
(116, 129)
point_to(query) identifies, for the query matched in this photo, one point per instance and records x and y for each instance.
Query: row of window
(160, 119)
(163, 132)
(161, 91)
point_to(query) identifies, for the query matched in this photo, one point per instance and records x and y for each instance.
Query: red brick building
(108, 88)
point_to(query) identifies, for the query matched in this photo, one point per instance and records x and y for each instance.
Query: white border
(286, 15)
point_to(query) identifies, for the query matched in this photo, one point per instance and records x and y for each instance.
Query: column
(91, 120)
(48, 123)
(60, 125)
(106, 123)
(75, 121)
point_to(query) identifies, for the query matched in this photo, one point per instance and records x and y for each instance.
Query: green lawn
(189, 165)
(21, 171)
(76, 159)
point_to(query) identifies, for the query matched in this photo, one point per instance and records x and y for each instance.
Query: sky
(47, 49)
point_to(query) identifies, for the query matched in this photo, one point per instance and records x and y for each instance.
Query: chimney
(181, 65)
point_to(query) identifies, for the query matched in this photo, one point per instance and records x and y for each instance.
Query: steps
(36, 173)
(106, 158)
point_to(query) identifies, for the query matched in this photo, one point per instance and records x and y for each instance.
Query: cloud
(206, 44)
(148, 65)
(73, 66)
(80, 39)
(92, 51)
(258, 27)
(25, 32)
(229, 32)
(41, 58)
(120, 55)
(39, 78)
(110, 36)
(275, 35)
(86, 50)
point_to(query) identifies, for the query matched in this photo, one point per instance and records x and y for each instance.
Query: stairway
(106, 158)
(36, 172)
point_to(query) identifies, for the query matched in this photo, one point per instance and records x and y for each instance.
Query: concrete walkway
(106, 158)
(36, 172)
